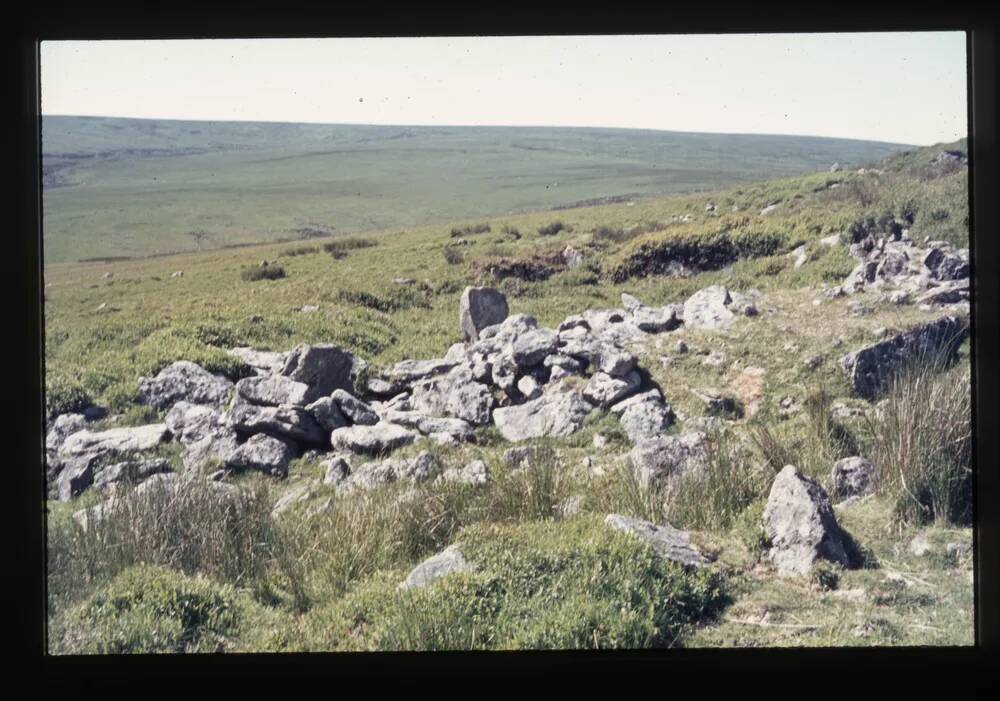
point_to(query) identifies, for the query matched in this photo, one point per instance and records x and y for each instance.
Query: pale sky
(900, 87)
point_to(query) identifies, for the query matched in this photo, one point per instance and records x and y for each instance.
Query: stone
(919, 545)
(646, 420)
(335, 470)
(62, 427)
(681, 347)
(950, 292)
(262, 453)
(357, 411)
(214, 446)
(272, 390)
(184, 380)
(662, 459)
(529, 387)
(951, 267)
(572, 257)
(455, 394)
(115, 441)
(800, 525)
(189, 423)
(552, 414)
(286, 422)
(666, 541)
(605, 390)
(479, 308)
(322, 367)
(327, 414)
(475, 473)
(656, 320)
(531, 348)
(708, 309)
(446, 562)
(871, 368)
(521, 457)
(614, 362)
(406, 372)
(263, 362)
(852, 477)
(379, 439)
(132, 471)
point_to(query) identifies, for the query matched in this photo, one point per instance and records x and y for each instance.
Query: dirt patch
(748, 387)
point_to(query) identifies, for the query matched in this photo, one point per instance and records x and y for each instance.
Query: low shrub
(338, 248)
(263, 272)
(574, 585)
(64, 395)
(551, 229)
(452, 255)
(298, 251)
(470, 230)
(150, 609)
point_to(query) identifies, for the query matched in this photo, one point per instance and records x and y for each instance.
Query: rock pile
(527, 380)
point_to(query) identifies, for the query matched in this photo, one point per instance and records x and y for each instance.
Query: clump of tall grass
(263, 272)
(920, 440)
(298, 251)
(714, 494)
(452, 256)
(470, 230)
(338, 248)
(551, 229)
(187, 526)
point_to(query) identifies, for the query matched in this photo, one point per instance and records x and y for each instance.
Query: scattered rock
(919, 545)
(852, 477)
(801, 526)
(668, 542)
(434, 568)
(475, 473)
(327, 414)
(708, 309)
(323, 368)
(372, 440)
(553, 414)
(184, 380)
(285, 422)
(480, 307)
(661, 459)
(357, 411)
(604, 390)
(272, 390)
(262, 453)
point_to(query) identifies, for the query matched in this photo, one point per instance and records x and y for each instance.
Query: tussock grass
(264, 272)
(921, 443)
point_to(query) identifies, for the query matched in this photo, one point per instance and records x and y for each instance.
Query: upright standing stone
(480, 307)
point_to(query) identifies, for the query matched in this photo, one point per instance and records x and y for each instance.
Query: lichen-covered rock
(645, 420)
(379, 439)
(604, 390)
(327, 414)
(555, 413)
(335, 470)
(455, 394)
(262, 362)
(406, 372)
(272, 390)
(434, 568)
(285, 422)
(131, 471)
(852, 477)
(322, 367)
(475, 473)
(479, 308)
(871, 368)
(662, 459)
(262, 453)
(357, 411)
(708, 309)
(184, 380)
(800, 525)
(531, 348)
(667, 542)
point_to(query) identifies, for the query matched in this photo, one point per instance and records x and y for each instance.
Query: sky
(900, 87)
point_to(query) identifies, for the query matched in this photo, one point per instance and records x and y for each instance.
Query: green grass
(327, 580)
(141, 187)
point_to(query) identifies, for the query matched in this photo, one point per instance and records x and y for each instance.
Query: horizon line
(496, 126)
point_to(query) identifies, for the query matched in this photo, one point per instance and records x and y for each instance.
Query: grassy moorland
(126, 187)
(549, 576)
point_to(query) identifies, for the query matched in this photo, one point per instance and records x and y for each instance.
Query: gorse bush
(921, 443)
(149, 609)
(263, 272)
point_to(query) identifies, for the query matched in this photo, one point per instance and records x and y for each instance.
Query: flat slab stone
(434, 568)
(667, 541)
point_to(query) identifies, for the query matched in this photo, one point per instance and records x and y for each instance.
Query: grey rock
(951, 267)
(262, 453)
(662, 459)
(529, 387)
(184, 380)
(553, 414)
(530, 348)
(115, 440)
(631, 303)
(406, 372)
(708, 309)
(190, 423)
(327, 414)
(323, 368)
(357, 411)
(667, 542)
(272, 390)
(950, 292)
(286, 422)
(336, 470)
(458, 429)
(614, 362)
(801, 526)
(479, 308)
(871, 368)
(656, 320)
(520, 457)
(455, 394)
(379, 439)
(446, 562)
(919, 545)
(132, 471)
(604, 390)
(295, 495)
(852, 477)
(646, 420)
(475, 473)
(572, 257)
(214, 447)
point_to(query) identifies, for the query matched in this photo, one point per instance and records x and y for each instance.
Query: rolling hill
(132, 188)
